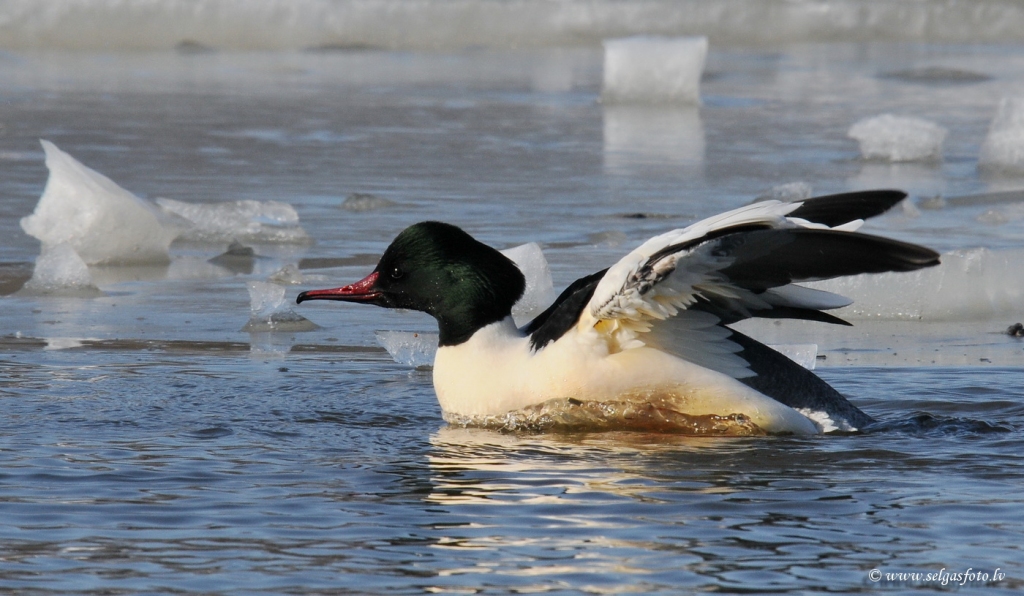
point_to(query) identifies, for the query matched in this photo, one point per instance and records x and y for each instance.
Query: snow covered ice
(60, 271)
(1003, 148)
(652, 70)
(898, 138)
(271, 312)
(103, 223)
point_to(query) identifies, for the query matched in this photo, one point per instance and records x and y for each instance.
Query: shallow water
(151, 446)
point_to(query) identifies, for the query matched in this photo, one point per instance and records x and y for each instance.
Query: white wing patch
(697, 337)
(641, 301)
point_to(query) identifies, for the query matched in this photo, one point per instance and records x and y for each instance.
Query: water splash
(573, 415)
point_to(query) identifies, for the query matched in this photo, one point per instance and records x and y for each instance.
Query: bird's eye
(396, 273)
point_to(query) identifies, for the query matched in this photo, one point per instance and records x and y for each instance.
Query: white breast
(496, 372)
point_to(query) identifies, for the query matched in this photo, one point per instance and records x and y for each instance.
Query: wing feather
(741, 264)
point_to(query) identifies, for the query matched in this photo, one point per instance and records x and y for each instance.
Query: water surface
(149, 446)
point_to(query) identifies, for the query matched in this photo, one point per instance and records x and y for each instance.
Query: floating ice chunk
(973, 284)
(1003, 148)
(104, 223)
(243, 221)
(806, 355)
(653, 69)
(787, 193)
(63, 343)
(898, 138)
(364, 201)
(287, 275)
(270, 311)
(539, 290)
(60, 271)
(408, 348)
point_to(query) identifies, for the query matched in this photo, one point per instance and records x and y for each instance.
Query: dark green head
(438, 269)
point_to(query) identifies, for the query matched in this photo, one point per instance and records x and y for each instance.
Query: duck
(654, 327)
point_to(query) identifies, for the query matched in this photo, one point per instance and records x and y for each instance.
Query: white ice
(269, 311)
(104, 223)
(975, 284)
(898, 138)
(60, 271)
(540, 292)
(409, 348)
(1003, 148)
(652, 70)
(242, 221)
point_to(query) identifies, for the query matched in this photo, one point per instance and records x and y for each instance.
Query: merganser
(654, 327)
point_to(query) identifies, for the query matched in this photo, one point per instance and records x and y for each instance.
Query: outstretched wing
(740, 264)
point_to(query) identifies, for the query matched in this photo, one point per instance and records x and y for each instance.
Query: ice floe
(898, 138)
(60, 271)
(973, 284)
(102, 222)
(269, 222)
(653, 70)
(105, 224)
(1003, 148)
